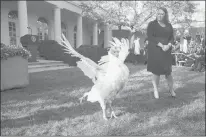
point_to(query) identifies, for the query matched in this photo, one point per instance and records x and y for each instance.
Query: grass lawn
(50, 106)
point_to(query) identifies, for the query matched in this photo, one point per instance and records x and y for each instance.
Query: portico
(55, 14)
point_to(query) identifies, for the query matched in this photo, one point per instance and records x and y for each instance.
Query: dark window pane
(10, 24)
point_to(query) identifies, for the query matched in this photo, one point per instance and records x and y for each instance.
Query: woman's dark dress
(159, 61)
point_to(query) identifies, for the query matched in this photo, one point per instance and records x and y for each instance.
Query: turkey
(109, 75)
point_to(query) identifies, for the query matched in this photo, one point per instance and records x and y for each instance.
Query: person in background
(136, 51)
(137, 46)
(199, 62)
(145, 50)
(160, 37)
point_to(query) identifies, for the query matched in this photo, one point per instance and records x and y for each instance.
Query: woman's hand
(166, 47)
(160, 45)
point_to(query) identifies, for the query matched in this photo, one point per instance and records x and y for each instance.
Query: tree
(136, 14)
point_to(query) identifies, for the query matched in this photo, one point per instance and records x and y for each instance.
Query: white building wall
(38, 9)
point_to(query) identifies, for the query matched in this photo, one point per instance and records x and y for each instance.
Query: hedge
(51, 50)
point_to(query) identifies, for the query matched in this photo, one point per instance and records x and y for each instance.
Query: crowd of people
(195, 54)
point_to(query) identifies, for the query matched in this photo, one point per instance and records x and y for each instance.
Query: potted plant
(14, 67)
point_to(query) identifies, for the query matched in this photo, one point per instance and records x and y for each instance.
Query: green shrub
(51, 50)
(12, 51)
(93, 52)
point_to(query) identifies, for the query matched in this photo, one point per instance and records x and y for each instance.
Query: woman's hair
(166, 17)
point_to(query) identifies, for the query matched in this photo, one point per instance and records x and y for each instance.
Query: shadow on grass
(45, 82)
(51, 80)
(57, 113)
(142, 102)
(147, 103)
(135, 103)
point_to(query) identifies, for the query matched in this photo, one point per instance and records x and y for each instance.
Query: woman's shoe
(156, 94)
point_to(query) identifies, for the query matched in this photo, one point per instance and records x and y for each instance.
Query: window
(75, 36)
(12, 17)
(64, 29)
(42, 29)
(12, 33)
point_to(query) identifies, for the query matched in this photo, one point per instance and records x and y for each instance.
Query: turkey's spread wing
(88, 66)
(104, 59)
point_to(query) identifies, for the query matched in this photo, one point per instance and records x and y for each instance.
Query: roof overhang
(68, 5)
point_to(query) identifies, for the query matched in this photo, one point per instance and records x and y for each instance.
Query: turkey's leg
(85, 94)
(112, 110)
(103, 105)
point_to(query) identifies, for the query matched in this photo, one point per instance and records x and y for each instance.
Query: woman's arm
(171, 38)
(150, 34)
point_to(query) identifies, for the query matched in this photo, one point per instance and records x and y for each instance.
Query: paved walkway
(46, 65)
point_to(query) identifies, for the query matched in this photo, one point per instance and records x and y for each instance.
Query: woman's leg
(155, 82)
(169, 79)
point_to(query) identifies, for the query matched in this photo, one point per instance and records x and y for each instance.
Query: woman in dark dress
(160, 37)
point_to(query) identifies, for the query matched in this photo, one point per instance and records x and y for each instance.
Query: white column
(106, 36)
(110, 34)
(95, 34)
(23, 18)
(57, 24)
(79, 31)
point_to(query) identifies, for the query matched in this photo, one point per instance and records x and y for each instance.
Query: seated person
(199, 62)
(176, 47)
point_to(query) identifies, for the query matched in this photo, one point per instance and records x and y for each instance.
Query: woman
(160, 37)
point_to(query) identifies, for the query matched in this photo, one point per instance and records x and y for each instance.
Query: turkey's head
(115, 51)
(124, 52)
(119, 49)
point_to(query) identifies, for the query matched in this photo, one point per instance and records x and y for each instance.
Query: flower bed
(12, 51)
(14, 67)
